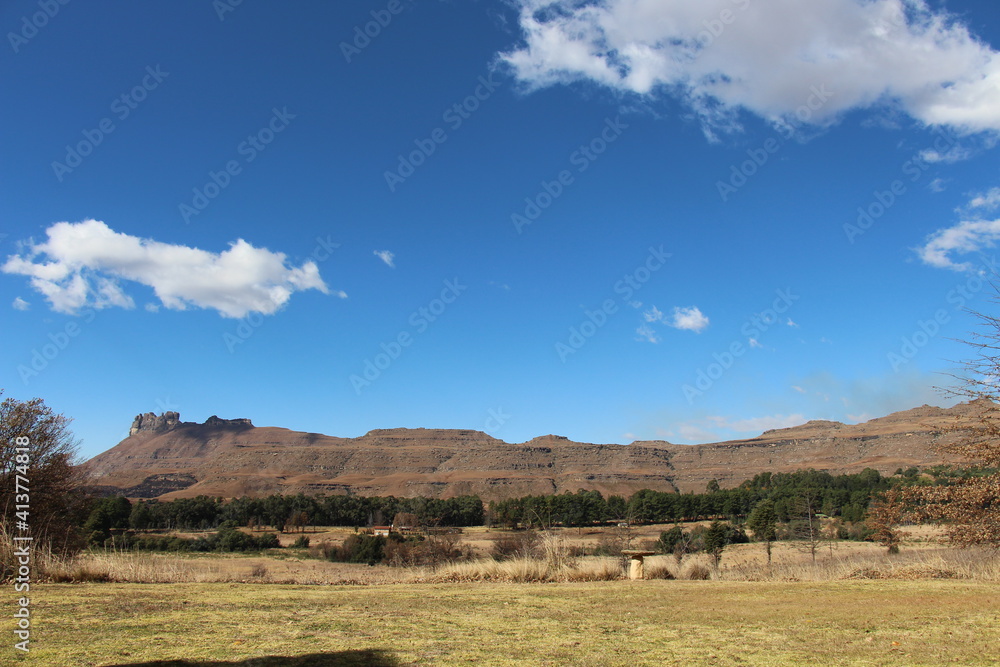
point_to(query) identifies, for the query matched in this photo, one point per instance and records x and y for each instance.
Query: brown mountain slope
(164, 457)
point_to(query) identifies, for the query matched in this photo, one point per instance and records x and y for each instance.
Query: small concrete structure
(635, 562)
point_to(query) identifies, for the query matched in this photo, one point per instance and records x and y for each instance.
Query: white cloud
(937, 185)
(689, 319)
(82, 263)
(20, 304)
(690, 432)
(386, 257)
(768, 58)
(647, 334)
(952, 155)
(990, 200)
(718, 429)
(755, 343)
(654, 314)
(965, 237)
(791, 323)
(760, 424)
(798, 389)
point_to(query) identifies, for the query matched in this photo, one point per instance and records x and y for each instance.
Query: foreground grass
(926, 622)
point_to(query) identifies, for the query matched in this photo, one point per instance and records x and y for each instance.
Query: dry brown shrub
(659, 571)
(696, 571)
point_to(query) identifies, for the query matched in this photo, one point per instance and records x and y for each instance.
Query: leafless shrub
(521, 544)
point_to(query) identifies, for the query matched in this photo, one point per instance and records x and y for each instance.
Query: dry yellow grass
(929, 622)
(274, 567)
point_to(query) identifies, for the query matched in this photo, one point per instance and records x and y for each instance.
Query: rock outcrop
(219, 421)
(154, 422)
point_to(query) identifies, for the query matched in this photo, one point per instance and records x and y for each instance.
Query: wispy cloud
(688, 319)
(988, 200)
(387, 257)
(647, 334)
(759, 424)
(953, 154)
(967, 236)
(719, 428)
(20, 304)
(899, 55)
(84, 264)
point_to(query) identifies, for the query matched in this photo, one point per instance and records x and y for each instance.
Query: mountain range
(164, 457)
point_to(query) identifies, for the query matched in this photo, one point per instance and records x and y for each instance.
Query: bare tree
(969, 506)
(884, 516)
(805, 527)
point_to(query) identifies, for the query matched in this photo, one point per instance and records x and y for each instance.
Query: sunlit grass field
(925, 622)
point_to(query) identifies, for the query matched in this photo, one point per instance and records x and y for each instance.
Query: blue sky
(616, 220)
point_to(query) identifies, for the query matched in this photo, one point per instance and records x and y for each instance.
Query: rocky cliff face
(165, 457)
(155, 423)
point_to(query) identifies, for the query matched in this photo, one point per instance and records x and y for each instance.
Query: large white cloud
(767, 56)
(81, 264)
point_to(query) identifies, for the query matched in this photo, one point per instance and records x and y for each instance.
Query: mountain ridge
(165, 457)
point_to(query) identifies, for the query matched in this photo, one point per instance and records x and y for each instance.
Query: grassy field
(926, 622)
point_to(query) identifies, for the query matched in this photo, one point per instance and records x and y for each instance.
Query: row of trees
(844, 496)
(283, 512)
